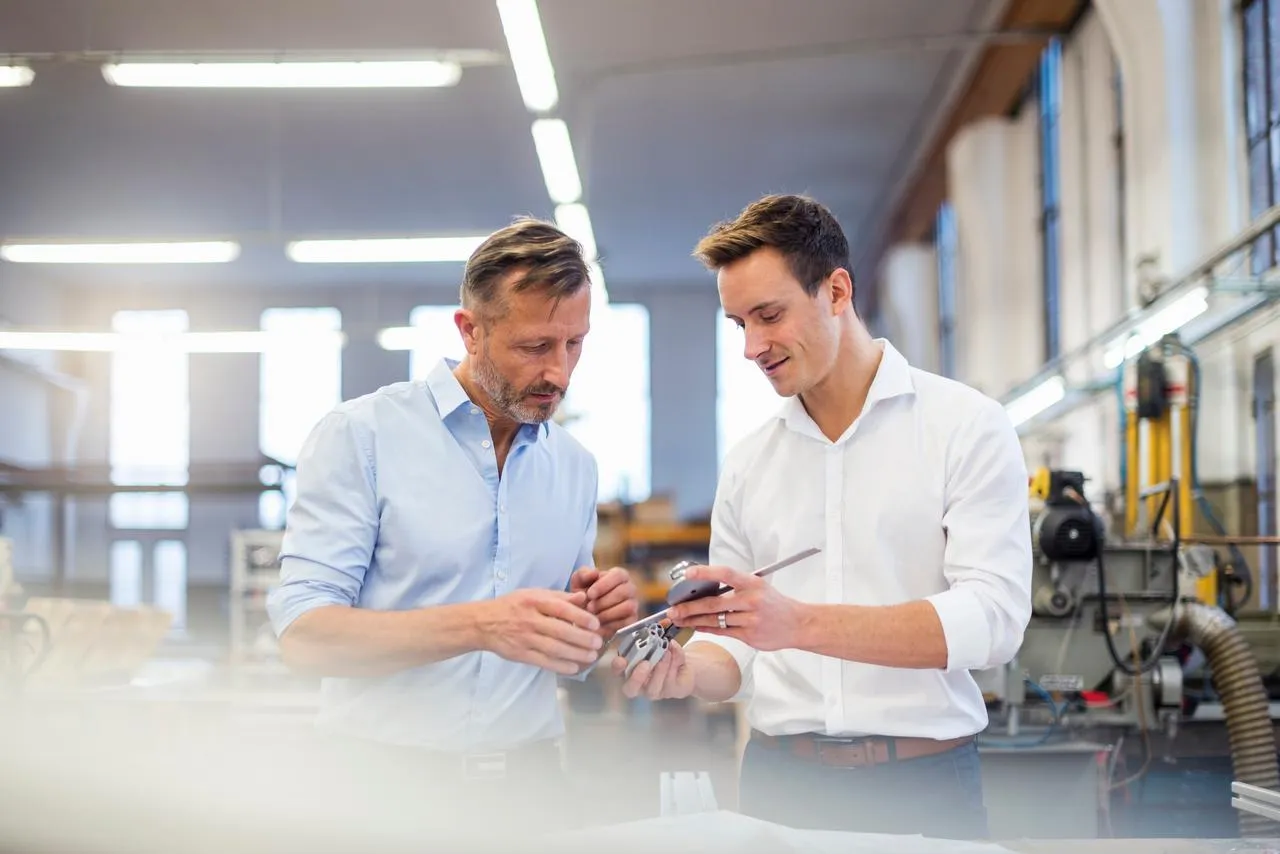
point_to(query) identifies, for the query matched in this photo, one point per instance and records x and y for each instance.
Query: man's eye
(770, 318)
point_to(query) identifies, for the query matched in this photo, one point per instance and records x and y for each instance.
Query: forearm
(909, 635)
(716, 675)
(336, 640)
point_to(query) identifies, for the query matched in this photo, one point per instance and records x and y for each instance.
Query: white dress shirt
(923, 497)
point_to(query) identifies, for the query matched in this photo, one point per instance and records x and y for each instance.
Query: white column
(1180, 155)
(909, 280)
(1092, 293)
(991, 174)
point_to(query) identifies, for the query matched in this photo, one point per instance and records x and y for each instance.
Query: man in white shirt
(855, 662)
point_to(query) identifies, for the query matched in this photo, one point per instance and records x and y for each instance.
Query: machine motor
(1067, 529)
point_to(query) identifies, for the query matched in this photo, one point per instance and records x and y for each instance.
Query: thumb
(579, 598)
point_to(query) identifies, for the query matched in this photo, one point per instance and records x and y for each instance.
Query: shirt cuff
(742, 654)
(291, 599)
(965, 628)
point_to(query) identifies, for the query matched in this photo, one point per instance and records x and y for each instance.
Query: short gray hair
(551, 260)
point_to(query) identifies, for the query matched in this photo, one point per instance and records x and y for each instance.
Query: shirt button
(502, 508)
(475, 410)
(485, 443)
(502, 576)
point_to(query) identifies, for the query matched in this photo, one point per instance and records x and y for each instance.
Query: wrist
(475, 626)
(807, 628)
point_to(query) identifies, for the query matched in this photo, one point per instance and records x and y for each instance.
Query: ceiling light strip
(527, 45)
(384, 250)
(285, 75)
(199, 252)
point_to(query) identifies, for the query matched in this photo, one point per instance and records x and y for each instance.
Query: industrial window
(299, 382)
(745, 398)
(168, 588)
(1261, 31)
(437, 338)
(608, 408)
(1049, 90)
(945, 245)
(150, 435)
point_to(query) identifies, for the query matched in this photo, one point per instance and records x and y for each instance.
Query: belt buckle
(484, 766)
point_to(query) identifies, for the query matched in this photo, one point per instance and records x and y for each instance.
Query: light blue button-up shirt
(399, 505)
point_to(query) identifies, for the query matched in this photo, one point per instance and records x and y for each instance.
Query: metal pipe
(1244, 699)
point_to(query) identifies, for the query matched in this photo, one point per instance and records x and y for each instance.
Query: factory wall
(1153, 177)
(1180, 193)
(224, 398)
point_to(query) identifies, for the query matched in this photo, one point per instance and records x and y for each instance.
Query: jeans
(937, 796)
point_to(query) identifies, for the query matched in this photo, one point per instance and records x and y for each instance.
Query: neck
(501, 428)
(837, 401)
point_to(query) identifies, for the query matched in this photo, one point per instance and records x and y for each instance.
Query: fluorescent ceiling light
(1167, 320)
(184, 342)
(1037, 400)
(576, 222)
(16, 75)
(285, 75)
(555, 155)
(527, 45)
(384, 250)
(209, 252)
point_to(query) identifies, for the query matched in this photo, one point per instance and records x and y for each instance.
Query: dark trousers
(938, 796)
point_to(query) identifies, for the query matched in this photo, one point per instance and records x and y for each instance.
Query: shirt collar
(892, 379)
(450, 396)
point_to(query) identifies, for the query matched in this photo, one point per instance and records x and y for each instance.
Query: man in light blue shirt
(437, 565)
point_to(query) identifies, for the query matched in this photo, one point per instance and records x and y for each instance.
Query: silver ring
(722, 618)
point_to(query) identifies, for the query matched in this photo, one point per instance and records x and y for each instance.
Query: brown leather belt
(857, 752)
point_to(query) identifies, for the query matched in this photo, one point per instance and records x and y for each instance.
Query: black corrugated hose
(1238, 682)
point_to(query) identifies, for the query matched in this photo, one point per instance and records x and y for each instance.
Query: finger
(570, 609)
(658, 679)
(621, 595)
(558, 649)
(725, 575)
(619, 615)
(619, 664)
(608, 583)
(682, 613)
(639, 677)
(583, 577)
(568, 633)
(564, 668)
(707, 621)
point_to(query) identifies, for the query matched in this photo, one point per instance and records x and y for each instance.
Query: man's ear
(469, 328)
(841, 285)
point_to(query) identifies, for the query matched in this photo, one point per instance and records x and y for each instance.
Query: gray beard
(509, 400)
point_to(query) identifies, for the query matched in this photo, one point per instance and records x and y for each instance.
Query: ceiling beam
(999, 78)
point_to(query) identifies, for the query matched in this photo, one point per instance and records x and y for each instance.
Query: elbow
(1008, 631)
(298, 651)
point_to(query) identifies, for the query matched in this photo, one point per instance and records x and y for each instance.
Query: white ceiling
(681, 111)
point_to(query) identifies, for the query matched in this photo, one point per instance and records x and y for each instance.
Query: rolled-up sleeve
(988, 561)
(332, 526)
(729, 548)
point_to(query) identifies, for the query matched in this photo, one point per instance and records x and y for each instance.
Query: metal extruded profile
(1256, 800)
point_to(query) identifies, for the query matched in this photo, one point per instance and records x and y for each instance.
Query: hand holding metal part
(648, 639)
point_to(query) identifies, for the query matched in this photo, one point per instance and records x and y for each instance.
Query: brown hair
(804, 231)
(549, 258)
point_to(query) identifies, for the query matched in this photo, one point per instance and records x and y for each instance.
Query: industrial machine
(1132, 614)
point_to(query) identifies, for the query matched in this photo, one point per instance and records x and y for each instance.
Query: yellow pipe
(1132, 486)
